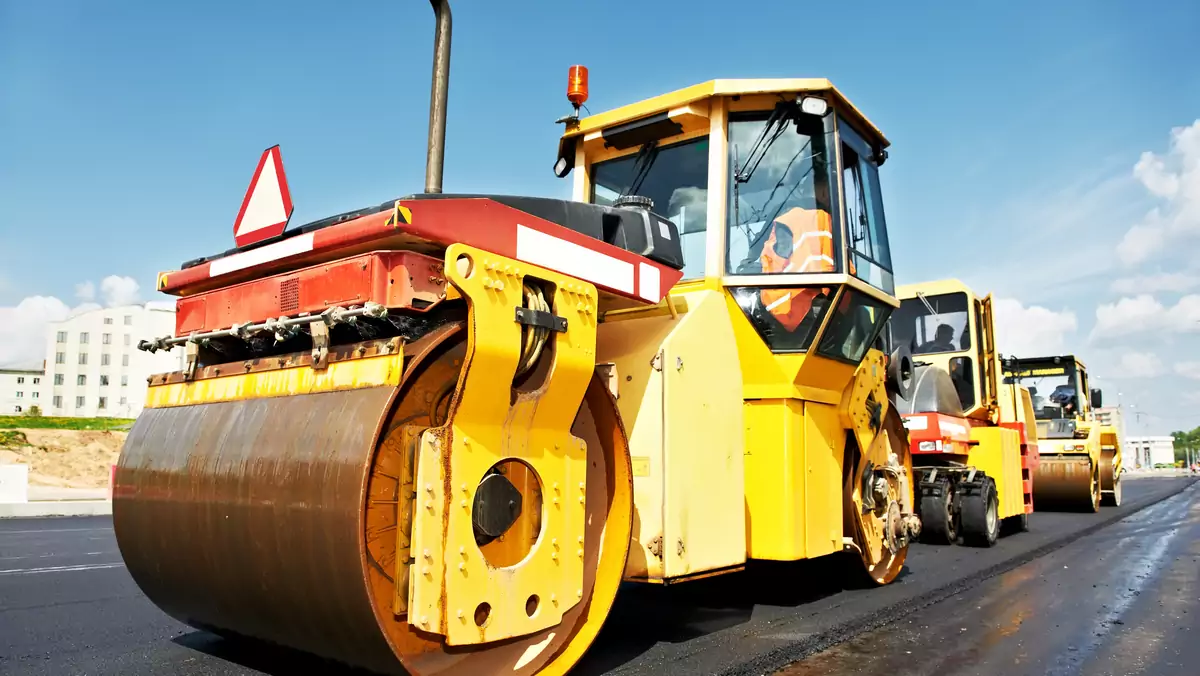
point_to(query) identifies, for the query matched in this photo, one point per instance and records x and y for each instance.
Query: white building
(1151, 451)
(21, 388)
(93, 366)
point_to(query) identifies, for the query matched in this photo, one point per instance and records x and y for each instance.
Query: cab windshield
(1051, 386)
(675, 177)
(932, 324)
(780, 215)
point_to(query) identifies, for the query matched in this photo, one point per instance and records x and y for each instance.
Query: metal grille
(289, 294)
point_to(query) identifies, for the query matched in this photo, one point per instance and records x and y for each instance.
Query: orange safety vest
(801, 240)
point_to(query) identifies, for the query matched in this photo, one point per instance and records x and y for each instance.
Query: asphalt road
(1124, 600)
(68, 606)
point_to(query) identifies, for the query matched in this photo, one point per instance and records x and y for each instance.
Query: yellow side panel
(793, 479)
(703, 443)
(998, 454)
(341, 375)
(679, 392)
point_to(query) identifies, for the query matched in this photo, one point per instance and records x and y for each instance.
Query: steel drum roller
(1065, 483)
(275, 519)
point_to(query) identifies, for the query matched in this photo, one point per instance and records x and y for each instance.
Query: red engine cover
(394, 279)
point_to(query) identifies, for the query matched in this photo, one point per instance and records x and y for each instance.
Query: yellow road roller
(434, 435)
(1079, 467)
(974, 438)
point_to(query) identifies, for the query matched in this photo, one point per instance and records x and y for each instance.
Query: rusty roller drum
(275, 518)
(1066, 483)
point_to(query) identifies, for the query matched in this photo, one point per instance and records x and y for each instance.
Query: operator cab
(774, 188)
(1054, 384)
(946, 325)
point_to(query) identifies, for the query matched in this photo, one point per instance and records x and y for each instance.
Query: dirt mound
(63, 458)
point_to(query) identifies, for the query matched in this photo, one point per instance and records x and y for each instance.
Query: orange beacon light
(577, 85)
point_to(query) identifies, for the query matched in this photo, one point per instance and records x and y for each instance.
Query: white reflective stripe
(820, 258)
(648, 282)
(288, 247)
(548, 251)
(777, 303)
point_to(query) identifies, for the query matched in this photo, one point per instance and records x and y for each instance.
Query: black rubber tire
(938, 525)
(979, 515)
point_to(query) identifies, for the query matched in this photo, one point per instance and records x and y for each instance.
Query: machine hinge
(679, 549)
(656, 362)
(320, 339)
(655, 547)
(191, 353)
(541, 319)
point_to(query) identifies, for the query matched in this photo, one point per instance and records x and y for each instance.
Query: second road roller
(434, 435)
(975, 438)
(1080, 454)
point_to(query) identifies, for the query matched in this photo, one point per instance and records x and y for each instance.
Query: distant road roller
(1080, 466)
(433, 436)
(974, 439)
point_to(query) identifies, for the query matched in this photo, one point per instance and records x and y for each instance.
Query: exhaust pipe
(436, 153)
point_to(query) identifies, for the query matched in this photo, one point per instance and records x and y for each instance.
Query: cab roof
(714, 88)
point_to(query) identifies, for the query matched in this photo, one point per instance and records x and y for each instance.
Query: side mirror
(1097, 399)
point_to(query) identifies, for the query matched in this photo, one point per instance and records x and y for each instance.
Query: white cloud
(85, 291)
(119, 290)
(1144, 314)
(1174, 179)
(23, 326)
(1140, 365)
(1176, 282)
(1188, 369)
(1031, 331)
(23, 329)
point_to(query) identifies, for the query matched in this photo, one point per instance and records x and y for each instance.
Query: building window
(122, 401)
(106, 339)
(124, 381)
(103, 381)
(17, 409)
(20, 379)
(127, 340)
(62, 336)
(78, 402)
(20, 395)
(60, 358)
(33, 395)
(83, 357)
(103, 402)
(81, 380)
(36, 381)
(104, 358)
(128, 320)
(83, 338)
(58, 379)
(124, 360)
(57, 401)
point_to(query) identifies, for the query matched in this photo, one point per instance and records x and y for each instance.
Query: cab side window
(866, 229)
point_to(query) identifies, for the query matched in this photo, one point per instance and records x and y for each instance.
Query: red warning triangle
(267, 206)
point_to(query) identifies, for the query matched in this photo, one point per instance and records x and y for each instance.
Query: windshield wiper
(641, 168)
(775, 126)
(929, 307)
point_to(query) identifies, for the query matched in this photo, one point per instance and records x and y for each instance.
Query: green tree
(1184, 442)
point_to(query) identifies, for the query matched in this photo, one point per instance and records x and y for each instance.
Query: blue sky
(129, 130)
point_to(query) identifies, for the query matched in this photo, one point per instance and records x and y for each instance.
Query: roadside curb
(27, 510)
(775, 660)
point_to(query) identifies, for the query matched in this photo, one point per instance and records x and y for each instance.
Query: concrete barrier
(14, 483)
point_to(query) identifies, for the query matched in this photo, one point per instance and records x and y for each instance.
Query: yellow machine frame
(736, 452)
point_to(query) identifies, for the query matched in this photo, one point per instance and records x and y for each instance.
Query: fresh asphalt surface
(1027, 605)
